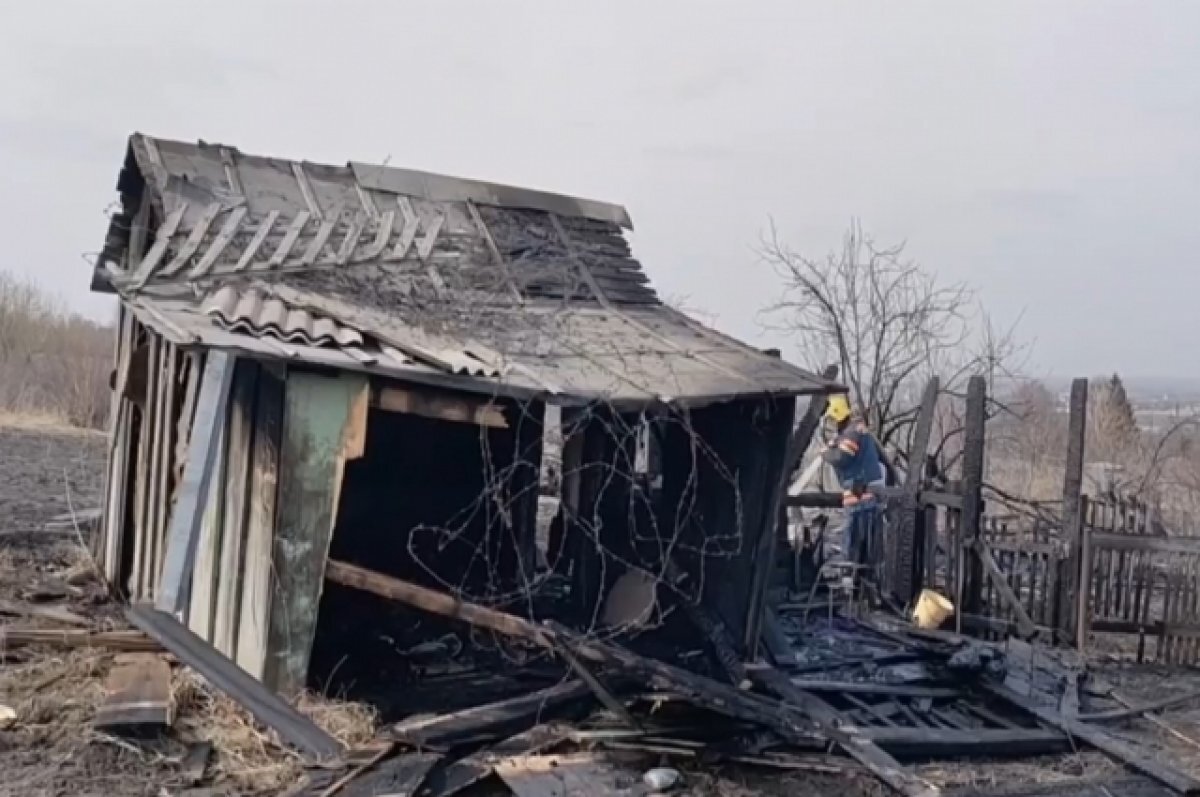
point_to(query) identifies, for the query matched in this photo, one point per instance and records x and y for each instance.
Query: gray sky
(1047, 153)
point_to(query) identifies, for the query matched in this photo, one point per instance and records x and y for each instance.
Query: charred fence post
(906, 576)
(1067, 611)
(970, 591)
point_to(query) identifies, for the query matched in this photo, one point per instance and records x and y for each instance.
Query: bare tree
(889, 324)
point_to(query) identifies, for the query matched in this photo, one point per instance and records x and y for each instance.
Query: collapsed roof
(412, 275)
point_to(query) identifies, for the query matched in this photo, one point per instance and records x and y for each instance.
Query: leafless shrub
(52, 362)
(889, 324)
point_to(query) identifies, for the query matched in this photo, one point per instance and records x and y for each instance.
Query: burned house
(355, 362)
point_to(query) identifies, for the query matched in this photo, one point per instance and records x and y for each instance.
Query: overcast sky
(1046, 153)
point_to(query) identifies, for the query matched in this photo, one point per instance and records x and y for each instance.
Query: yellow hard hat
(838, 408)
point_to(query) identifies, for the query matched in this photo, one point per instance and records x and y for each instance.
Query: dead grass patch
(248, 755)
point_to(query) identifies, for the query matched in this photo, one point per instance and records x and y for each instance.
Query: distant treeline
(53, 363)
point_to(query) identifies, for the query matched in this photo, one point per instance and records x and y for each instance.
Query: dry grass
(249, 756)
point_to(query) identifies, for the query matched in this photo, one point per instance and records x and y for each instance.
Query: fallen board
(565, 776)
(1103, 741)
(267, 707)
(399, 777)
(503, 717)
(138, 693)
(466, 772)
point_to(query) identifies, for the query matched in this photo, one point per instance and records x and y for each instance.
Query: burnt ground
(44, 472)
(51, 749)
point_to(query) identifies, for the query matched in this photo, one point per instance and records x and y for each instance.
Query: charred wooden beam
(1101, 740)
(1072, 602)
(904, 576)
(1025, 624)
(790, 724)
(970, 575)
(851, 739)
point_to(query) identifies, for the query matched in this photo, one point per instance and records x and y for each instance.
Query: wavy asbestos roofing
(505, 286)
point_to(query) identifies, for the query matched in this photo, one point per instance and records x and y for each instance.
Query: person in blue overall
(856, 459)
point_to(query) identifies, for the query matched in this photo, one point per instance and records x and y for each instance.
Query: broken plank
(395, 777)
(852, 740)
(563, 775)
(1145, 708)
(466, 772)
(501, 717)
(872, 688)
(959, 742)
(137, 693)
(56, 614)
(264, 705)
(602, 693)
(1025, 625)
(1101, 740)
(702, 691)
(187, 514)
(111, 640)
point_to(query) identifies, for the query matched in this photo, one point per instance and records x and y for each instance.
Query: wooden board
(265, 706)
(255, 607)
(137, 693)
(504, 716)
(401, 776)
(566, 776)
(235, 484)
(187, 514)
(317, 415)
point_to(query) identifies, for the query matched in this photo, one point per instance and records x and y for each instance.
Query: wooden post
(1070, 591)
(971, 569)
(905, 578)
(187, 513)
(764, 565)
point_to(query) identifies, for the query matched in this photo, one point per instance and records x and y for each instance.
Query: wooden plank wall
(147, 393)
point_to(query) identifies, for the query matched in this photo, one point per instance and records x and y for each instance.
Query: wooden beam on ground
(502, 717)
(138, 693)
(399, 775)
(904, 579)
(704, 692)
(1072, 602)
(466, 772)
(109, 640)
(263, 704)
(55, 614)
(187, 513)
(574, 773)
(874, 688)
(970, 572)
(1025, 625)
(1169, 701)
(967, 742)
(1101, 740)
(852, 740)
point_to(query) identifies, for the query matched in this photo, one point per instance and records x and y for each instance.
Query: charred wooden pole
(970, 575)
(905, 578)
(1071, 602)
(764, 565)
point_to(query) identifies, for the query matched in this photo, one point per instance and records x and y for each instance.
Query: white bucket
(932, 610)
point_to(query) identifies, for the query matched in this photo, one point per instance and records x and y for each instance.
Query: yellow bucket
(932, 610)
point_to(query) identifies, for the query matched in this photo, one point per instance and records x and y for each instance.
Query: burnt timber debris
(338, 392)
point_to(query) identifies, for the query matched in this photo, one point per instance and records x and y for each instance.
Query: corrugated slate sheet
(414, 275)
